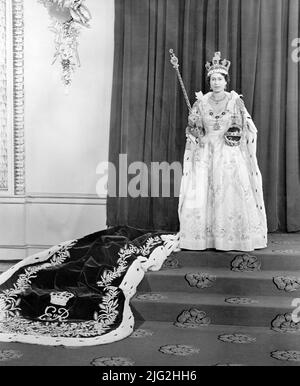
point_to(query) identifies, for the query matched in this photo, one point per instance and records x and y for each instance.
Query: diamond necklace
(218, 100)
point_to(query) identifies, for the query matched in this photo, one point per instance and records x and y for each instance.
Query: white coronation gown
(221, 201)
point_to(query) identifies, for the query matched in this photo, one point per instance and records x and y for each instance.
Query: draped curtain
(149, 114)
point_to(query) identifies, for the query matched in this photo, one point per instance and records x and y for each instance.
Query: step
(268, 259)
(212, 350)
(276, 260)
(221, 281)
(282, 253)
(167, 306)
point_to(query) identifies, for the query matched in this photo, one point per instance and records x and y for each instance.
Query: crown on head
(60, 298)
(218, 65)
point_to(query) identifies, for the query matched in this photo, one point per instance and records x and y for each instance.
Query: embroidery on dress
(52, 314)
(56, 329)
(108, 313)
(108, 276)
(11, 322)
(151, 242)
(9, 298)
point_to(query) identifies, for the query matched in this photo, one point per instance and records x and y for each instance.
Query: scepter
(174, 62)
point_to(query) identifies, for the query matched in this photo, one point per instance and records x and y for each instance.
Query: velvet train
(78, 293)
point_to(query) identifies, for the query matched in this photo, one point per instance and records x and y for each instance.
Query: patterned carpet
(202, 309)
(162, 344)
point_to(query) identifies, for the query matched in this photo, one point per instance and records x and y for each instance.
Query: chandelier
(68, 16)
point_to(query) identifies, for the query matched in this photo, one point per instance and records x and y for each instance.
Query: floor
(163, 344)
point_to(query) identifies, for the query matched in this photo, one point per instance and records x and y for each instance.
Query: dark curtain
(149, 114)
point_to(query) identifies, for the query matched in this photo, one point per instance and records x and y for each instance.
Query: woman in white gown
(221, 201)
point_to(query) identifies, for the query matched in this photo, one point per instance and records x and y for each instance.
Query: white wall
(66, 136)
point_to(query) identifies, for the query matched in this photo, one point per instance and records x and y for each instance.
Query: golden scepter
(174, 62)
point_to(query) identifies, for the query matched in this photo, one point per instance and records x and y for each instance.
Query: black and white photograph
(149, 185)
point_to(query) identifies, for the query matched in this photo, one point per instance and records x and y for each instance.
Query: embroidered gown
(221, 201)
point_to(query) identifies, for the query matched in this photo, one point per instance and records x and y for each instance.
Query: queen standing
(221, 203)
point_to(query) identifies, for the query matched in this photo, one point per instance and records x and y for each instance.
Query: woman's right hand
(194, 131)
(196, 134)
(194, 119)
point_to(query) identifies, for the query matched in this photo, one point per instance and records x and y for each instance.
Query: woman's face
(217, 82)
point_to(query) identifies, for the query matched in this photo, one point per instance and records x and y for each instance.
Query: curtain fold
(149, 115)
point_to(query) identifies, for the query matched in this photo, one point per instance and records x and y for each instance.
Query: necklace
(217, 125)
(217, 101)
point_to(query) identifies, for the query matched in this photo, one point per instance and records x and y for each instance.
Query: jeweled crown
(60, 298)
(217, 65)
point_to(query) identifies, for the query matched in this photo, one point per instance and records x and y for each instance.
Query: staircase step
(282, 253)
(167, 306)
(223, 281)
(276, 259)
(238, 298)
